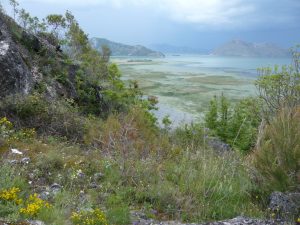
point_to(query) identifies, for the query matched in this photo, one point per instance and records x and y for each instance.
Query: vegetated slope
(247, 49)
(118, 49)
(77, 146)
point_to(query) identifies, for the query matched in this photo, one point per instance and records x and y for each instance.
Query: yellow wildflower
(94, 217)
(33, 206)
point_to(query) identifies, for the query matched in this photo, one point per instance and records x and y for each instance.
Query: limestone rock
(15, 76)
(285, 205)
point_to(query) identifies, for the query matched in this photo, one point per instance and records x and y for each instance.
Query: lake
(184, 84)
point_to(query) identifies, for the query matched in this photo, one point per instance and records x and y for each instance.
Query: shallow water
(185, 84)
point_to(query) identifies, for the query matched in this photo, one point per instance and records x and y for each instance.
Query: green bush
(57, 118)
(276, 158)
(191, 136)
(13, 182)
(118, 210)
(47, 163)
(237, 125)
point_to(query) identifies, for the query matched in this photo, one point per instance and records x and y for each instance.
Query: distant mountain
(247, 49)
(119, 49)
(166, 48)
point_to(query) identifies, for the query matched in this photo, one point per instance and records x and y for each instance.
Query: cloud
(203, 13)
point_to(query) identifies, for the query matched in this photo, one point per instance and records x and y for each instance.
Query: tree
(236, 125)
(280, 88)
(224, 116)
(211, 117)
(243, 124)
(77, 40)
(14, 4)
(106, 52)
(34, 25)
(1, 8)
(70, 19)
(57, 22)
(24, 18)
(42, 26)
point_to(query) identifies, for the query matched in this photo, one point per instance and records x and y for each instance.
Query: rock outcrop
(219, 146)
(15, 75)
(235, 221)
(25, 62)
(285, 206)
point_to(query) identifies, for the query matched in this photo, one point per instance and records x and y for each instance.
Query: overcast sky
(195, 23)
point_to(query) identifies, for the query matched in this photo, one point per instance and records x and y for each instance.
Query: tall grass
(277, 157)
(179, 179)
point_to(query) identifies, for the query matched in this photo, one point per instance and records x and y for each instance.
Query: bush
(94, 217)
(48, 118)
(276, 158)
(279, 88)
(49, 163)
(12, 188)
(237, 125)
(189, 136)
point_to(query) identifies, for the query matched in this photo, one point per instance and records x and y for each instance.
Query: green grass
(173, 174)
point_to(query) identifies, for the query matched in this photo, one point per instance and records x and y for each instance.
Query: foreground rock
(235, 221)
(285, 205)
(218, 146)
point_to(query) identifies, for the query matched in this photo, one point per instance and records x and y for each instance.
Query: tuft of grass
(276, 158)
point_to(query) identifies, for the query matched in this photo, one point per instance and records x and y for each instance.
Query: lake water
(184, 84)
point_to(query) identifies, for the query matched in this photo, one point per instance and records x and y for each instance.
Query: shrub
(33, 206)
(50, 162)
(276, 158)
(119, 215)
(280, 88)
(48, 118)
(118, 210)
(5, 127)
(189, 136)
(11, 177)
(237, 125)
(93, 217)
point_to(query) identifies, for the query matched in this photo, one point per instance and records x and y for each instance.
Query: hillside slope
(118, 49)
(247, 49)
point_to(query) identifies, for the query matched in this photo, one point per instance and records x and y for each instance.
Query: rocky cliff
(15, 73)
(29, 61)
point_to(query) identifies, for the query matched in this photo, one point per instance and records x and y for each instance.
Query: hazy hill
(119, 49)
(247, 49)
(166, 48)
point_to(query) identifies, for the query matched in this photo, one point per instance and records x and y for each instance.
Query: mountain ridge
(119, 49)
(242, 48)
(172, 49)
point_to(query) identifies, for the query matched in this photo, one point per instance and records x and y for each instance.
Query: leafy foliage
(34, 111)
(280, 88)
(237, 125)
(57, 22)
